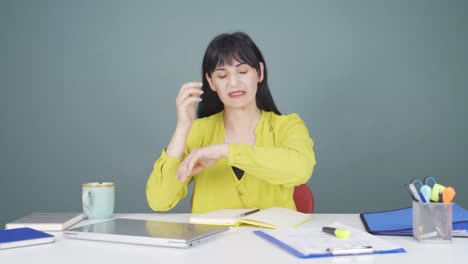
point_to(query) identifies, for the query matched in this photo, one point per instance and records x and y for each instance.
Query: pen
(421, 196)
(338, 232)
(249, 213)
(351, 250)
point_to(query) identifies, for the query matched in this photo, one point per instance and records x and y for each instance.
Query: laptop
(146, 232)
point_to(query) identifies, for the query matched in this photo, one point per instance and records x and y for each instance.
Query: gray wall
(88, 91)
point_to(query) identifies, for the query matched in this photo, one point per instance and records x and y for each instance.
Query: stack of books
(29, 230)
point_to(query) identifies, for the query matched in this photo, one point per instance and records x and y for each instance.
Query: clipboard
(311, 242)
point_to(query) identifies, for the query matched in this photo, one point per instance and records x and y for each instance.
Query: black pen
(249, 212)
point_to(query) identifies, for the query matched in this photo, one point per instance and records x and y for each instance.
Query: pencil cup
(98, 199)
(432, 222)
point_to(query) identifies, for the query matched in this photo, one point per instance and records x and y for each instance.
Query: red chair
(304, 199)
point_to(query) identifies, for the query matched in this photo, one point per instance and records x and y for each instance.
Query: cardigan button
(239, 193)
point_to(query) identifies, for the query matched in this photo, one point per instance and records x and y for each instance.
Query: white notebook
(47, 221)
(274, 217)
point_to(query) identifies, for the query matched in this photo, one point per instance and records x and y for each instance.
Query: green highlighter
(338, 232)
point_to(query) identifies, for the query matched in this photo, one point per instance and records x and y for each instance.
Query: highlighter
(448, 194)
(338, 232)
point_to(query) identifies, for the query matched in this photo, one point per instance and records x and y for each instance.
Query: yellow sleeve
(290, 162)
(163, 190)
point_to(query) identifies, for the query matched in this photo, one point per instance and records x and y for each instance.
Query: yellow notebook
(274, 217)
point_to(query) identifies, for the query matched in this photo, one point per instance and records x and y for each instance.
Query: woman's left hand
(200, 159)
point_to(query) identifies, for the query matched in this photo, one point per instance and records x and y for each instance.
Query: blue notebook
(399, 222)
(21, 237)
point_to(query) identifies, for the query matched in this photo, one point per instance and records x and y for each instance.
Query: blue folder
(399, 222)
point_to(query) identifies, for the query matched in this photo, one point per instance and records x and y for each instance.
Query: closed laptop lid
(146, 232)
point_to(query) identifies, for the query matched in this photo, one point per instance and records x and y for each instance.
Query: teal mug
(98, 199)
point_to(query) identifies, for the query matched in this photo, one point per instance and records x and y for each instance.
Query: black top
(239, 173)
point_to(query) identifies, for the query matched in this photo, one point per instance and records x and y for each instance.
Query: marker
(448, 194)
(338, 232)
(415, 192)
(411, 193)
(426, 192)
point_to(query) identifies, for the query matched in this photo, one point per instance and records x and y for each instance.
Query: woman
(241, 152)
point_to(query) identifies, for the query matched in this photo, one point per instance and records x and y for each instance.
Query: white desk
(238, 245)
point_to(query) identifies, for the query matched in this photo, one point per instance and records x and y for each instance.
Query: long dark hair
(222, 50)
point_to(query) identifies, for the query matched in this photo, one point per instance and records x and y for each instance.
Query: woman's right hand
(189, 94)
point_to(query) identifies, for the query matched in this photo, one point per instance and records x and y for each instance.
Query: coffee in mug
(98, 199)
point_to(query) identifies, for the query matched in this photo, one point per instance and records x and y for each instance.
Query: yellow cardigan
(281, 158)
